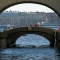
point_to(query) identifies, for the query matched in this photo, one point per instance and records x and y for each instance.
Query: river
(30, 47)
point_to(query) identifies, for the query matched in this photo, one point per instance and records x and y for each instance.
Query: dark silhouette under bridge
(15, 33)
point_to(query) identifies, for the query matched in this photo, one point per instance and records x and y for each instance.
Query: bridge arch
(33, 40)
(13, 34)
(53, 4)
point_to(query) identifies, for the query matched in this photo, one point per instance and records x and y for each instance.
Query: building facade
(19, 19)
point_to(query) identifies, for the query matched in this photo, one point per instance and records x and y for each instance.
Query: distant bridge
(53, 4)
(7, 38)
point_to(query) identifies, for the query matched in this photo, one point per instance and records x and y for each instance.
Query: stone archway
(14, 34)
(53, 4)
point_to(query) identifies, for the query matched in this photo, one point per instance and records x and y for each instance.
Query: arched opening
(28, 42)
(16, 17)
(52, 4)
(32, 40)
(32, 47)
(28, 7)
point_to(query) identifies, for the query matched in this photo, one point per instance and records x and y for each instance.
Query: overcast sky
(29, 7)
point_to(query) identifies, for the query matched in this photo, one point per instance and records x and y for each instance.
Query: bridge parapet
(29, 28)
(42, 29)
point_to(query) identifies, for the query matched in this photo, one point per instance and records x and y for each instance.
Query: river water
(30, 47)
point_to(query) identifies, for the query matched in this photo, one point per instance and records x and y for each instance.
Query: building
(19, 19)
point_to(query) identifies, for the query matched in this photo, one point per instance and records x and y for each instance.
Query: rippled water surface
(28, 54)
(30, 47)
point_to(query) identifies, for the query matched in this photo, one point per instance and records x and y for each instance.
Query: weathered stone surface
(9, 37)
(57, 44)
(13, 34)
(53, 4)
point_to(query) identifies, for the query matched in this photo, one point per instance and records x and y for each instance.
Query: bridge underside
(53, 4)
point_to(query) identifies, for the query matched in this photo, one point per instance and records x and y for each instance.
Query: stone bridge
(53, 4)
(7, 38)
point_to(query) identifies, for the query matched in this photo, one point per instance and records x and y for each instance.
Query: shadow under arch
(35, 2)
(32, 40)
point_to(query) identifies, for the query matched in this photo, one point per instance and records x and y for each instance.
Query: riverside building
(19, 19)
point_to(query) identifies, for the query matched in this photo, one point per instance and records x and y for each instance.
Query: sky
(29, 7)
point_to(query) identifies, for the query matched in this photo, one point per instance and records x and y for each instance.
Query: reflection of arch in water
(53, 4)
(32, 40)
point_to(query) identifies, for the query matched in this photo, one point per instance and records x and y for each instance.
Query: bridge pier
(51, 45)
(52, 42)
(10, 43)
(57, 43)
(3, 42)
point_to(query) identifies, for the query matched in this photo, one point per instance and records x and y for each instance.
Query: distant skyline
(29, 7)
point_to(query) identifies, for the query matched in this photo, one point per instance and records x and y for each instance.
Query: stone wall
(3, 42)
(57, 43)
